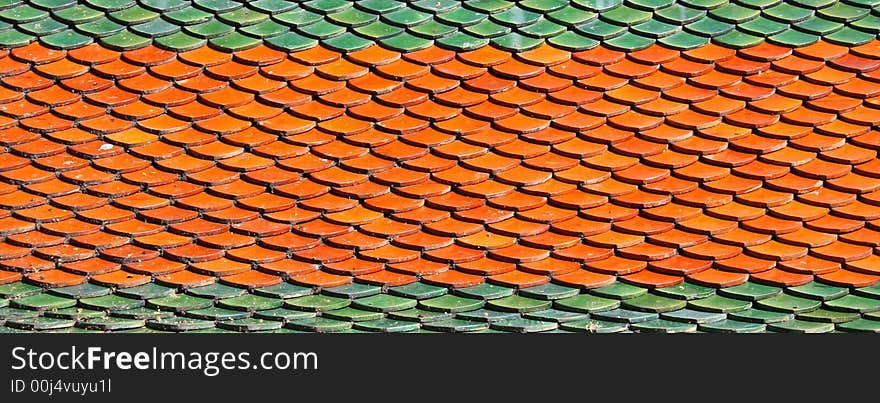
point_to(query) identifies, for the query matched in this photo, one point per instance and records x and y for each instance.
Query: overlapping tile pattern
(597, 191)
(411, 25)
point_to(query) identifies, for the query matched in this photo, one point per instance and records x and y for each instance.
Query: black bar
(460, 368)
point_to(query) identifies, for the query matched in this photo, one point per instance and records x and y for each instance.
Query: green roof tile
(597, 6)
(420, 315)
(18, 289)
(188, 16)
(732, 326)
(489, 6)
(216, 291)
(789, 303)
(318, 303)
(870, 291)
(542, 29)
(319, 324)
(629, 42)
(555, 315)
(460, 17)
(842, 12)
(43, 301)
(384, 303)
(586, 303)
(758, 4)
(417, 290)
(179, 303)
(594, 326)
(250, 303)
(705, 4)
(406, 43)
(298, 18)
(516, 43)
(679, 14)
(217, 6)
(624, 315)
(763, 27)
(216, 313)
(146, 291)
(854, 303)
(180, 42)
(518, 303)
(284, 314)
(571, 16)
(653, 303)
(456, 325)
(265, 29)
(133, 15)
(849, 37)
(861, 326)
(44, 27)
(737, 39)
(573, 42)
(485, 29)
(138, 313)
(249, 325)
(352, 315)
(619, 290)
(84, 290)
(685, 291)
(824, 315)
(352, 291)
(23, 14)
(793, 38)
(655, 29)
(8, 312)
(111, 323)
(111, 303)
(800, 326)
(734, 14)
(709, 27)
(125, 41)
(818, 26)
(451, 303)
(380, 6)
(163, 5)
(387, 326)
(40, 323)
(664, 326)
(155, 28)
(870, 23)
(818, 291)
(761, 316)
(435, 6)
(486, 315)
(523, 325)
(291, 42)
(179, 324)
(13, 39)
(750, 291)
(485, 291)
(549, 291)
(243, 17)
(283, 290)
(406, 17)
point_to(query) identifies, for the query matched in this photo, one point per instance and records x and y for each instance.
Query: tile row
(423, 308)
(346, 25)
